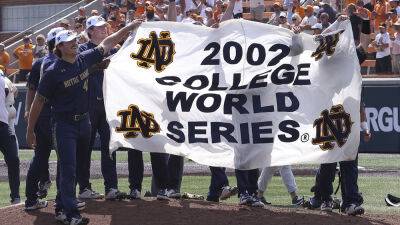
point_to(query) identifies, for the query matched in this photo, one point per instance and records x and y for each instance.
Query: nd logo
(134, 121)
(155, 51)
(326, 45)
(332, 126)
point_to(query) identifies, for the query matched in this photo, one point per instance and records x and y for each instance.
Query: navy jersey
(96, 74)
(38, 68)
(65, 84)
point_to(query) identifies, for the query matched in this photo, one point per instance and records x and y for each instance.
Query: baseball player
(38, 178)
(323, 188)
(96, 28)
(8, 143)
(287, 178)
(65, 85)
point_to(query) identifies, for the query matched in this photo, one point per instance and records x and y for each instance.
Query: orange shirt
(25, 56)
(363, 11)
(301, 11)
(4, 60)
(380, 9)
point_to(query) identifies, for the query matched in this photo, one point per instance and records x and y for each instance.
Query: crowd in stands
(376, 23)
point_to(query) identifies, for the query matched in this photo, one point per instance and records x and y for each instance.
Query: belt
(72, 117)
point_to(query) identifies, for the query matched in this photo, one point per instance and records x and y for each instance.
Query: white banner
(236, 96)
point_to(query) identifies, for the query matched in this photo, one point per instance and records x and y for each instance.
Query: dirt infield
(190, 212)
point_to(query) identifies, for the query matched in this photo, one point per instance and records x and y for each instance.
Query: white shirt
(238, 7)
(3, 110)
(398, 10)
(382, 39)
(312, 20)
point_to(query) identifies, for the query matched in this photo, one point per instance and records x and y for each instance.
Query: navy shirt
(96, 75)
(65, 84)
(34, 78)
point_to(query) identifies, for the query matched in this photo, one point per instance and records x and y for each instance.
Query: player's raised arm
(115, 38)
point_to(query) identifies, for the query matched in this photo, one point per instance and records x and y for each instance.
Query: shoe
(115, 194)
(135, 194)
(312, 203)
(80, 205)
(89, 194)
(298, 201)
(61, 217)
(227, 192)
(43, 189)
(245, 199)
(38, 205)
(15, 201)
(78, 220)
(172, 193)
(263, 200)
(392, 200)
(354, 210)
(162, 195)
(327, 206)
(256, 202)
(336, 204)
(193, 196)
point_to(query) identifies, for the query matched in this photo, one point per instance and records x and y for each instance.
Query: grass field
(374, 190)
(369, 161)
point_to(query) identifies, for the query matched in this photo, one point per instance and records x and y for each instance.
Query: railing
(45, 26)
(44, 23)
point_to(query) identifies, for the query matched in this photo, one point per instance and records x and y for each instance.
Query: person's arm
(15, 53)
(364, 125)
(32, 84)
(30, 94)
(36, 108)
(297, 43)
(118, 36)
(6, 60)
(171, 13)
(228, 12)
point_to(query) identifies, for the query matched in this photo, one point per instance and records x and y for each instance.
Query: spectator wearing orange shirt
(4, 59)
(24, 54)
(298, 9)
(365, 15)
(379, 14)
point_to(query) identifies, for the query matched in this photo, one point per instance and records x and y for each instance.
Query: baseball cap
(277, 3)
(64, 22)
(283, 14)
(65, 36)
(317, 26)
(208, 9)
(95, 21)
(53, 32)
